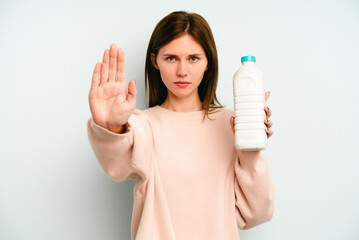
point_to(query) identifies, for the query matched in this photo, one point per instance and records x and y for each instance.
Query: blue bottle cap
(248, 58)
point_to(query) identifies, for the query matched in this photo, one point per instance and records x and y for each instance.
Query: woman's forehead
(184, 45)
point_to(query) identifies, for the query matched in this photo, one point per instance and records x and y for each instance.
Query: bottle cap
(248, 58)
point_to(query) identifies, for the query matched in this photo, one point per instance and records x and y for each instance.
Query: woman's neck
(187, 104)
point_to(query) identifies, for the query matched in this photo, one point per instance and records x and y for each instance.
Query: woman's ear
(153, 60)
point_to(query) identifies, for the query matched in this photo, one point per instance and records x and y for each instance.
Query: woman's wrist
(120, 129)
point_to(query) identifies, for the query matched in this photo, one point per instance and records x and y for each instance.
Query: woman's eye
(194, 59)
(171, 59)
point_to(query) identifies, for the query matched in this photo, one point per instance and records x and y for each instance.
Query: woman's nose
(182, 69)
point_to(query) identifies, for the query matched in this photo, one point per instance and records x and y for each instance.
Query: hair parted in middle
(173, 26)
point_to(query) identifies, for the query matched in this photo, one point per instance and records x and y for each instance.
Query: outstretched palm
(110, 104)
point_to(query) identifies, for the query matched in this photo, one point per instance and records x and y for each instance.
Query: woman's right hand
(111, 106)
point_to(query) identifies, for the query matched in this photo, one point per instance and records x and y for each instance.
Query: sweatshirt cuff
(251, 160)
(107, 135)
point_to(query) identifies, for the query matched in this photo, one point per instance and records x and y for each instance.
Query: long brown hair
(169, 28)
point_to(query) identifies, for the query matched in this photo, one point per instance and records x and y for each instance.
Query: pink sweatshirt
(191, 182)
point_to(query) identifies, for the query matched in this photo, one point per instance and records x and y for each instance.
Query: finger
(132, 91)
(113, 63)
(96, 76)
(104, 68)
(268, 112)
(121, 70)
(268, 123)
(269, 132)
(266, 95)
(232, 124)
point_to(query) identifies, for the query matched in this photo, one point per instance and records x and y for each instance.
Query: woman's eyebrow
(169, 54)
(174, 55)
(196, 54)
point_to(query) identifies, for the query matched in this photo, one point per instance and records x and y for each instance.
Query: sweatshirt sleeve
(253, 189)
(123, 156)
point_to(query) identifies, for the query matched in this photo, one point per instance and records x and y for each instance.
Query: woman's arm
(253, 189)
(123, 156)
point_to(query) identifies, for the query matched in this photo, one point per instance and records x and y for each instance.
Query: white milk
(249, 102)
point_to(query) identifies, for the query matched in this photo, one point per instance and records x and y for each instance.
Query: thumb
(132, 91)
(266, 95)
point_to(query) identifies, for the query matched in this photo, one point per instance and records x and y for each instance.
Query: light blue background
(51, 186)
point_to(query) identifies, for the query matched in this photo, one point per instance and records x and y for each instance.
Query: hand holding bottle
(111, 106)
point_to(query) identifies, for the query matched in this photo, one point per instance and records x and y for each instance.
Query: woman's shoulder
(222, 111)
(139, 116)
(147, 114)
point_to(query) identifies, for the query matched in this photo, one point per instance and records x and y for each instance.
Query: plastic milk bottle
(249, 102)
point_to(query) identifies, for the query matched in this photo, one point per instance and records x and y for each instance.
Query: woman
(191, 182)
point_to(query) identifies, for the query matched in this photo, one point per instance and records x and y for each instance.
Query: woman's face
(182, 64)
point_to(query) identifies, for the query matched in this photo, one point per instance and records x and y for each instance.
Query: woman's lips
(182, 84)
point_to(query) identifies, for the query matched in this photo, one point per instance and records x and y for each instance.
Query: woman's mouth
(182, 84)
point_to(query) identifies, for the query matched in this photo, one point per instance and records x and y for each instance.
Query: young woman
(191, 182)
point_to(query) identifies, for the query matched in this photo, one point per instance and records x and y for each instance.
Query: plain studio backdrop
(51, 185)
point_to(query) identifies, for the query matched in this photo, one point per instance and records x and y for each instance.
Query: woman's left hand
(267, 122)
